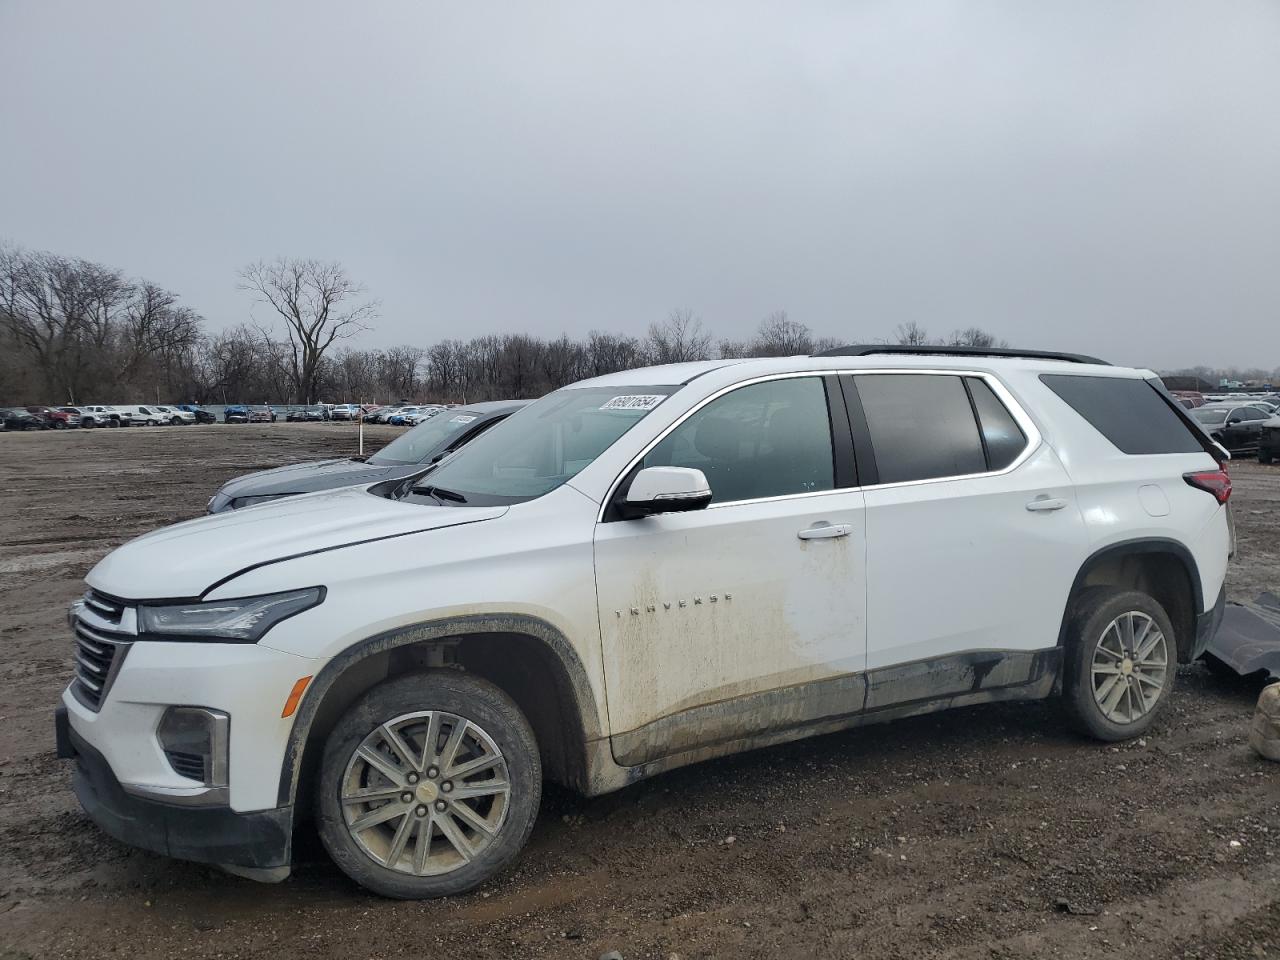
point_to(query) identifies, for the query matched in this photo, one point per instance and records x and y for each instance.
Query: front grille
(107, 608)
(98, 658)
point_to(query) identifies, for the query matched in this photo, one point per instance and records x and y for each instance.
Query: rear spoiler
(1211, 446)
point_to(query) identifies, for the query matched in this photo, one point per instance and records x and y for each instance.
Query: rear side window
(922, 426)
(1001, 434)
(1129, 413)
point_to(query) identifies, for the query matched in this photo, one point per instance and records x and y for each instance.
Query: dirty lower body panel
(924, 686)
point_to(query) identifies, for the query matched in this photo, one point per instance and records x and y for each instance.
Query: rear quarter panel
(1124, 497)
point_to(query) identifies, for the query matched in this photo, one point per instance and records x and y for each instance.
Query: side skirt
(824, 706)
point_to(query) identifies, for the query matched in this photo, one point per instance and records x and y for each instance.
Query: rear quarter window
(1128, 412)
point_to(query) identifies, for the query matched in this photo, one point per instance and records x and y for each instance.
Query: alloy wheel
(1130, 667)
(425, 793)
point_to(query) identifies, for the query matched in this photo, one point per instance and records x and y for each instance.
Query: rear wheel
(1264, 456)
(429, 785)
(1121, 662)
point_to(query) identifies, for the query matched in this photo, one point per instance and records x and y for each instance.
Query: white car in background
(175, 416)
(638, 572)
(143, 415)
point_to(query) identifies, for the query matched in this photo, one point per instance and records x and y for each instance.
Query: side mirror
(666, 490)
(1236, 420)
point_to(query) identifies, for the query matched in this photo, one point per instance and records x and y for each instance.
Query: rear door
(973, 532)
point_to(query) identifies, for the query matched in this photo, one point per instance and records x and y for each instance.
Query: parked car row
(38, 417)
(1245, 429)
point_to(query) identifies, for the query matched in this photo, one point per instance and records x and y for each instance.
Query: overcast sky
(1099, 176)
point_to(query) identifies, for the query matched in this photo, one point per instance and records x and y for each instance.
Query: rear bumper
(1207, 625)
(261, 840)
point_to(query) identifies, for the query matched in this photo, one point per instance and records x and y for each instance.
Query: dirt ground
(987, 832)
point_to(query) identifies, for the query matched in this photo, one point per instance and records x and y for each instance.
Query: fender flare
(1137, 547)
(537, 629)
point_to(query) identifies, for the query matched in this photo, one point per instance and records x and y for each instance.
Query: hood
(185, 560)
(290, 479)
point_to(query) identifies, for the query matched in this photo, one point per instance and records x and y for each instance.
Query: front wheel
(1121, 662)
(429, 785)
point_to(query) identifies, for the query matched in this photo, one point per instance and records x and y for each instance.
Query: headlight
(244, 620)
(239, 502)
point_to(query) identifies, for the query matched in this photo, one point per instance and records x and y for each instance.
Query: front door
(747, 616)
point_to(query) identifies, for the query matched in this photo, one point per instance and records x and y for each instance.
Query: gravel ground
(987, 832)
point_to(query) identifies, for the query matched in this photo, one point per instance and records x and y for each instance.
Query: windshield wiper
(440, 493)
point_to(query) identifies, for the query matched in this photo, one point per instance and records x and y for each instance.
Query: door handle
(825, 531)
(1045, 504)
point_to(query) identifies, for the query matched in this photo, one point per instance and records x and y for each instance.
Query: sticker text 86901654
(639, 401)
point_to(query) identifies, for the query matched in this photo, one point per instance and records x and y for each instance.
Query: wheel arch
(1160, 567)
(523, 655)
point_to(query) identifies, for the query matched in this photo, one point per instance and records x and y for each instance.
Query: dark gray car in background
(425, 444)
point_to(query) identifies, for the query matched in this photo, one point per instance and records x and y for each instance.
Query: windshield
(542, 446)
(1211, 417)
(424, 441)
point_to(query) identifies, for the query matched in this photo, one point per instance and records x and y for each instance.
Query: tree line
(73, 331)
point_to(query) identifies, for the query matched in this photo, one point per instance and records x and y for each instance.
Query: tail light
(1216, 482)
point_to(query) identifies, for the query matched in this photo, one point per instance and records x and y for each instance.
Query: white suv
(638, 572)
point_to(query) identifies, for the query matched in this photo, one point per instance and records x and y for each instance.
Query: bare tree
(319, 304)
(780, 336)
(608, 352)
(678, 339)
(911, 334)
(975, 337)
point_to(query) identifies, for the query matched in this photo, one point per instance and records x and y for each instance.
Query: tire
(412, 703)
(59, 425)
(1264, 457)
(1098, 639)
(175, 422)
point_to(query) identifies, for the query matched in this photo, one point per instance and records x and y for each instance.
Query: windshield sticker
(461, 418)
(640, 401)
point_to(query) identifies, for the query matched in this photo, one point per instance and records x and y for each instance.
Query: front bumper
(261, 840)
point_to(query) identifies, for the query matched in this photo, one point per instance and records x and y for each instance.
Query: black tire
(471, 698)
(1092, 613)
(1264, 457)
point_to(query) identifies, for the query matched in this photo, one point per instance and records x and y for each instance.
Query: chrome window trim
(1034, 438)
(1028, 427)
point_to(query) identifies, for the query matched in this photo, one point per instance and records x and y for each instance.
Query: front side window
(542, 446)
(767, 439)
(922, 426)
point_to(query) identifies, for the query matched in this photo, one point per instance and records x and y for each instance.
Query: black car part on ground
(1248, 641)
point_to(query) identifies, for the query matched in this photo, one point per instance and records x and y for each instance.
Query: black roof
(868, 350)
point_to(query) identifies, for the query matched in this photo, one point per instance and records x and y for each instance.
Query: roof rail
(868, 350)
